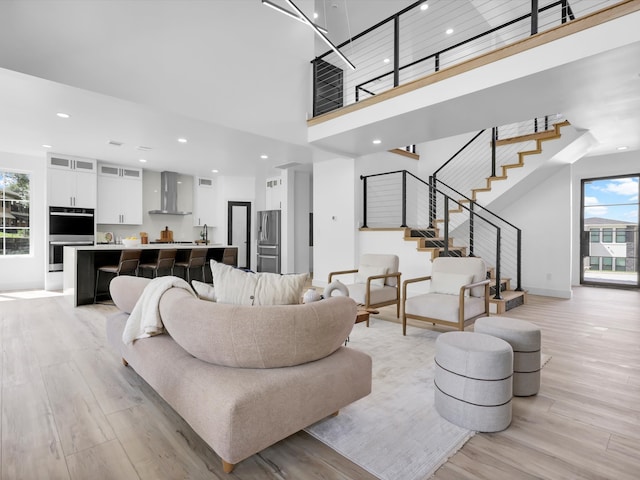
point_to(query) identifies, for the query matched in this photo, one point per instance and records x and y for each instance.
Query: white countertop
(154, 246)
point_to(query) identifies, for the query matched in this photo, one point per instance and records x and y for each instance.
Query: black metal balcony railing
(412, 43)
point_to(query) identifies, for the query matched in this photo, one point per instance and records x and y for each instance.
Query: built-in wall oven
(68, 227)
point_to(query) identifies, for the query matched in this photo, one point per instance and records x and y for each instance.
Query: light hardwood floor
(70, 410)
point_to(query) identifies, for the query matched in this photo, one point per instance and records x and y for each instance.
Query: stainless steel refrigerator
(269, 241)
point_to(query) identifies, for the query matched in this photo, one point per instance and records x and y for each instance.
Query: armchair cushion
(366, 271)
(443, 306)
(390, 262)
(358, 291)
(450, 283)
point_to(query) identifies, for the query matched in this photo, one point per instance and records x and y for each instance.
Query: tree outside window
(14, 213)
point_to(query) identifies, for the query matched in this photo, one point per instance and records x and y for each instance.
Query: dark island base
(88, 261)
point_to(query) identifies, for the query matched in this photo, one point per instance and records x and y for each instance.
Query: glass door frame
(585, 237)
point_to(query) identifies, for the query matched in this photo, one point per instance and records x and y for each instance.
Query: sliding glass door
(609, 224)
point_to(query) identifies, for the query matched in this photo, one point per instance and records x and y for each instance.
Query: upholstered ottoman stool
(473, 375)
(524, 338)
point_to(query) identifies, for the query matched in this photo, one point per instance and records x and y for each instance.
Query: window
(594, 263)
(607, 263)
(621, 235)
(607, 235)
(14, 213)
(621, 264)
(595, 235)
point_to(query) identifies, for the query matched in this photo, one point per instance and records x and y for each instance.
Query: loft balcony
(580, 58)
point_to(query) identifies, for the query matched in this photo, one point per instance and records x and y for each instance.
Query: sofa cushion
(257, 337)
(232, 285)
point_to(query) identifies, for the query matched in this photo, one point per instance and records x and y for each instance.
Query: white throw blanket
(145, 320)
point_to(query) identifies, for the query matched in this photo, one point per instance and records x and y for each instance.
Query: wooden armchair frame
(368, 305)
(461, 321)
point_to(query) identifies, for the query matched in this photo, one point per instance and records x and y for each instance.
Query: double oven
(68, 227)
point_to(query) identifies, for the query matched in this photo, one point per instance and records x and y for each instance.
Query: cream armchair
(458, 294)
(377, 281)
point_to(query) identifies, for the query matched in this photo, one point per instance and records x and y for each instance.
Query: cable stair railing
(446, 222)
(385, 205)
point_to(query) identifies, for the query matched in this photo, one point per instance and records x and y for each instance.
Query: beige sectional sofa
(245, 377)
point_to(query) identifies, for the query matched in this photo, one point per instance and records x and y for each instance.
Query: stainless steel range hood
(168, 195)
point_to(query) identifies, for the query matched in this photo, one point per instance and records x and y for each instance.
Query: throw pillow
(232, 285)
(366, 271)
(450, 283)
(247, 288)
(275, 289)
(204, 290)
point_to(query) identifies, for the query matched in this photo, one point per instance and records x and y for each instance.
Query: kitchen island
(81, 264)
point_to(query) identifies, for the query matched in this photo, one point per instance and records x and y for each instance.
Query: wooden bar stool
(166, 259)
(128, 264)
(197, 259)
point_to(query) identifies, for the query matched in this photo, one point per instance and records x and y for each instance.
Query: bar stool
(128, 264)
(197, 259)
(166, 259)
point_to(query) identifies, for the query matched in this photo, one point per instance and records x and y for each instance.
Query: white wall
(303, 196)
(544, 215)
(27, 271)
(235, 189)
(334, 220)
(624, 163)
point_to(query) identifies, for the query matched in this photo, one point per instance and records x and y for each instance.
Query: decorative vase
(311, 296)
(338, 286)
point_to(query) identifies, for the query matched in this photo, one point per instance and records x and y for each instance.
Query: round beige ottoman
(473, 380)
(524, 337)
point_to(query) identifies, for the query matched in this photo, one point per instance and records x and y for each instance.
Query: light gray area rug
(395, 432)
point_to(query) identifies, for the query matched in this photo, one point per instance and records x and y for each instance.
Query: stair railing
(401, 198)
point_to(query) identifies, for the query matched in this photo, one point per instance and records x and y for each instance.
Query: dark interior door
(239, 231)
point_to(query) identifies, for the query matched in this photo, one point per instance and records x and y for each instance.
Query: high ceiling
(230, 76)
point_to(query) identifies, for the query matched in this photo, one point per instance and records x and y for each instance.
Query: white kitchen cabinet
(274, 193)
(204, 200)
(119, 195)
(71, 182)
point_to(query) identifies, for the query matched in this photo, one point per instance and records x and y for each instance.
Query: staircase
(459, 223)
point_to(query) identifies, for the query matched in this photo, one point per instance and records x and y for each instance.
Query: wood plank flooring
(70, 410)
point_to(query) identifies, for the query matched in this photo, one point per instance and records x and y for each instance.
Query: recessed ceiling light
(315, 15)
(386, 60)
(46, 146)
(63, 115)
(142, 160)
(624, 147)
(377, 141)
(264, 157)
(214, 171)
(424, 6)
(182, 140)
(449, 31)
